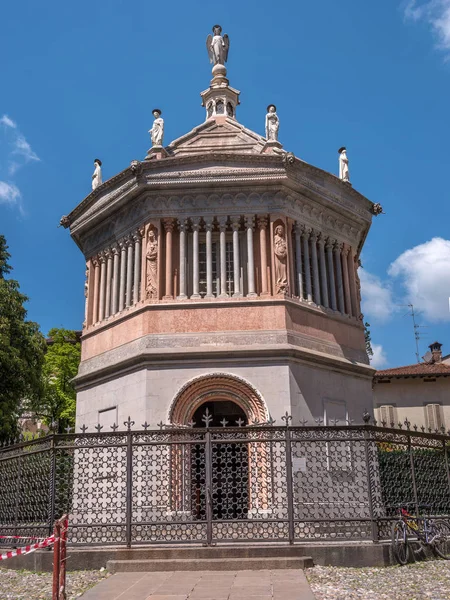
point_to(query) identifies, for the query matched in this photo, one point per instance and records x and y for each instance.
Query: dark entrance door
(228, 464)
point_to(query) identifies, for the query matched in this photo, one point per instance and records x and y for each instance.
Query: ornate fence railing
(230, 484)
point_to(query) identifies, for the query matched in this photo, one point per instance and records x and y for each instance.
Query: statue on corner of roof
(157, 131)
(344, 174)
(97, 174)
(217, 46)
(272, 123)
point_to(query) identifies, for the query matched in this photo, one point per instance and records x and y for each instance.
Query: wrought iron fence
(230, 484)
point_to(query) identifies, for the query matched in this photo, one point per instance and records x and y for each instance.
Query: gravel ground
(419, 581)
(25, 585)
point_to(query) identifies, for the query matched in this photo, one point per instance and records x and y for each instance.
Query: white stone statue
(97, 174)
(280, 250)
(157, 131)
(272, 123)
(152, 264)
(217, 46)
(343, 165)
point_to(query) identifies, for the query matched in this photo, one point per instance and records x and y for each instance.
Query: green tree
(22, 348)
(56, 403)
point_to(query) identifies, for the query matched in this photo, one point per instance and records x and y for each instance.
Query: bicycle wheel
(399, 542)
(440, 531)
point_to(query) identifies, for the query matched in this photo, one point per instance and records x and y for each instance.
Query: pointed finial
(224, 422)
(83, 428)
(286, 418)
(98, 427)
(129, 423)
(114, 427)
(207, 418)
(240, 422)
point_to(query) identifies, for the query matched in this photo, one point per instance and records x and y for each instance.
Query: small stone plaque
(299, 464)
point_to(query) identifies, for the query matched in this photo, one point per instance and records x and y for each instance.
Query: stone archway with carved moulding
(217, 387)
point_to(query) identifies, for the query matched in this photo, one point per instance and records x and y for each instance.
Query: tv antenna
(417, 337)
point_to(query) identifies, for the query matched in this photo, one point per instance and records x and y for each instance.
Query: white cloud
(377, 302)
(425, 273)
(5, 120)
(9, 193)
(379, 358)
(436, 13)
(23, 148)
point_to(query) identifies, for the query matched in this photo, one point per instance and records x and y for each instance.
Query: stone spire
(220, 100)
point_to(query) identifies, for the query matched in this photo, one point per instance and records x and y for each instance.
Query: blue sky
(78, 81)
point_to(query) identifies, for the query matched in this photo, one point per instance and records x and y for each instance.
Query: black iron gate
(214, 485)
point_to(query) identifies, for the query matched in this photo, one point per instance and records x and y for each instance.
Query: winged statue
(217, 46)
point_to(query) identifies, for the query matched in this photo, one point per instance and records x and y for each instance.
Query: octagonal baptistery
(222, 268)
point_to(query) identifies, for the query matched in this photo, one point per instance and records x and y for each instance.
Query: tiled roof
(418, 370)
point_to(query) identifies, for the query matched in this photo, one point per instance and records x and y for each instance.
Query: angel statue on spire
(217, 46)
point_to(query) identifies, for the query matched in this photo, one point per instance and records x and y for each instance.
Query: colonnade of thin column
(324, 268)
(116, 278)
(325, 271)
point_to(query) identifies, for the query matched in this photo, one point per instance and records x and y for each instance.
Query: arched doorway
(229, 464)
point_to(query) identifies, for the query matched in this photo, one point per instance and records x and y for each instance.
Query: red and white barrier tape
(20, 537)
(27, 549)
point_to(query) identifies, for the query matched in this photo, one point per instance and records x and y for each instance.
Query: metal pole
(444, 443)
(290, 492)
(413, 475)
(56, 560)
(208, 465)
(52, 483)
(63, 557)
(129, 486)
(18, 495)
(370, 485)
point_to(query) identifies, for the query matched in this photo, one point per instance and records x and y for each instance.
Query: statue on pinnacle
(217, 46)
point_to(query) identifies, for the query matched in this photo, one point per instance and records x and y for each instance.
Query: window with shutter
(433, 416)
(388, 415)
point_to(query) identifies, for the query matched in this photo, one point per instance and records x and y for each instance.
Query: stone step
(197, 552)
(209, 564)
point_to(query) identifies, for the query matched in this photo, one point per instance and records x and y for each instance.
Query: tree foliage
(22, 349)
(56, 403)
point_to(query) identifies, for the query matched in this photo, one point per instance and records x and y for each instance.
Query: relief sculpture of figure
(97, 174)
(343, 165)
(152, 265)
(217, 46)
(358, 288)
(272, 123)
(280, 249)
(157, 131)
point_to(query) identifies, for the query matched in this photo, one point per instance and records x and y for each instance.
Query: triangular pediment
(223, 135)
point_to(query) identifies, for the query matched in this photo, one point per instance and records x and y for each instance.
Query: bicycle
(434, 533)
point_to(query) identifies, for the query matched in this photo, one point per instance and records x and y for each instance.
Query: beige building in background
(419, 393)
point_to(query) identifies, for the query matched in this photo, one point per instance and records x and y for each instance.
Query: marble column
(137, 239)
(315, 269)
(129, 298)
(123, 272)
(340, 285)
(348, 300)
(223, 256)
(182, 225)
(169, 225)
(305, 235)
(298, 260)
(323, 270)
(96, 265)
(209, 281)
(235, 224)
(115, 285)
(109, 264)
(101, 311)
(331, 281)
(262, 222)
(195, 263)
(249, 222)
